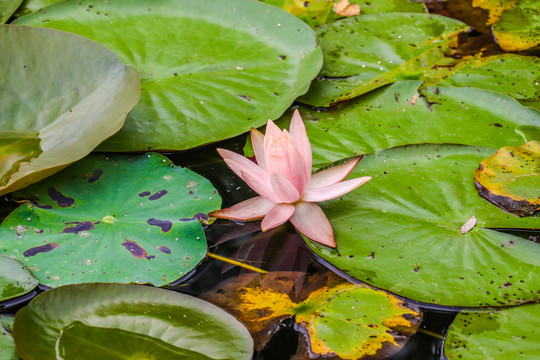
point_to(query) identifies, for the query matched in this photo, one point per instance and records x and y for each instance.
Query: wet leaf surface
(402, 231)
(112, 219)
(518, 28)
(360, 55)
(497, 334)
(201, 63)
(336, 319)
(510, 179)
(15, 279)
(121, 321)
(82, 96)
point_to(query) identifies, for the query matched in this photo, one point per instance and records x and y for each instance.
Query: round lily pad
(15, 279)
(510, 178)
(337, 319)
(401, 114)
(497, 334)
(112, 219)
(62, 95)
(203, 64)
(409, 231)
(123, 321)
(7, 8)
(360, 55)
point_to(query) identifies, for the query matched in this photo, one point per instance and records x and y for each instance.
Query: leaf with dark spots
(40, 249)
(145, 193)
(158, 195)
(35, 201)
(165, 225)
(164, 250)
(61, 199)
(135, 249)
(95, 176)
(80, 226)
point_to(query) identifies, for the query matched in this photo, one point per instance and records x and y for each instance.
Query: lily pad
(401, 114)
(7, 8)
(337, 319)
(510, 179)
(360, 55)
(402, 231)
(498, 334)
(30, 6)
(202, 63)
(513, 75)
(112, 219)
(518, 27)
(72, 91)
(15, 279)
(7, 346)
(148, 323)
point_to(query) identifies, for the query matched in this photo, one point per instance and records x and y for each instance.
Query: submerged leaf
(15, 279)
(112, 219)
(336, 319)
(17, 147)
(510, 179)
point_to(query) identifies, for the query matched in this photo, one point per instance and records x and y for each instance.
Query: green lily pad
(510, 179)
(73, 92)
(498, 334)
(513, 75)
(420, 230)
(7, 8)
(17, 147)
(30, 6)
(313, 13)
(112, 219)
(402, 114)
(148, 323)
(201, 62)
(360, 55)
(15, 279)
(337, 319)
(518, 27)
(7, 346)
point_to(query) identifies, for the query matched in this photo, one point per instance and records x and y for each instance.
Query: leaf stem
(237, 263)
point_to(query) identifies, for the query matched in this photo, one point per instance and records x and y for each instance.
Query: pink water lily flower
(282, 177)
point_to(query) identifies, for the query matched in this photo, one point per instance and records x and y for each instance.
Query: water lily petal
(284, 157)
(284, 190)
(272, 132)
(310, 220)
(333, 175)
(277, 216)
(250, 209)
(257, 141)
(299, 134)
(251, 173)
(333, 191)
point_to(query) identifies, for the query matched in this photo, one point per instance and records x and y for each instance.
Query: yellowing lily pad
(518, 28)
(510, 178)
(111, 219)
(336, 319)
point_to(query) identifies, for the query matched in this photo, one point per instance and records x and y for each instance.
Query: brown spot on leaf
(61, 199)
(165, 250)
(145, 193)
(95, 176)
(135, 249)
(80, 226)
(40, 249)
(165, 225)
(158, 195)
